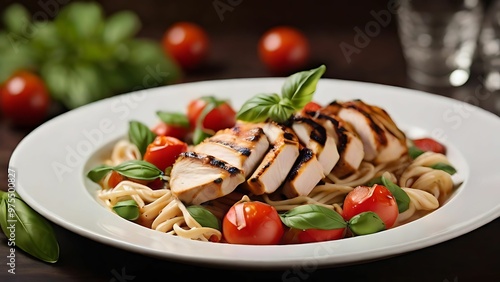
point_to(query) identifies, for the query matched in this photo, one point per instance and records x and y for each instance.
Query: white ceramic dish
(51, 163)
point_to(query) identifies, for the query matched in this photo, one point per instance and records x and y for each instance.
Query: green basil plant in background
(81, 55)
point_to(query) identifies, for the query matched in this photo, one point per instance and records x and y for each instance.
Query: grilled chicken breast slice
(349, 146)
(315, 137)
(242, 146)
(379, 144)
(272, 171)
(197, 178)
(305, 174)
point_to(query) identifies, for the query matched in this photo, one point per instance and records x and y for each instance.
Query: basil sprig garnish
(136, 169)
(140, 135)
(127, 209)
(175, 119)
(313, 217)
(445, 167)
(299, 88)
(203, 216)
(296, 92)
(32, 232)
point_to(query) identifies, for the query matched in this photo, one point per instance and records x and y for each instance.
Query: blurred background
(356, 41)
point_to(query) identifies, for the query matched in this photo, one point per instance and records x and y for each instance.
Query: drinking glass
(439, 39)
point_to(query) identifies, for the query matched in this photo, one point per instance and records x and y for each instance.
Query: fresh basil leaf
(445, 167)
(33, 233)
(140, 135)
(399, 194)
(99, 172)
(203, 216)
(259, 108)
(414, 152)
(120, 26)
(175, 119)
(127, 209)
(16, 18)
(300, 87)
(312, 217)
(138, 169)
(366, 223)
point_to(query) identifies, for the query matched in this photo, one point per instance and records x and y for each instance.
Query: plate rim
(474, 223)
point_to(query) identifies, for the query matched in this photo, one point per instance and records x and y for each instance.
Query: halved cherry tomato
(164, 150)
(24, 99)
(284, 49)
(221, 117)
(377, 199)
(187, 43)
(252, 223)
(163, 129)
(429, 144)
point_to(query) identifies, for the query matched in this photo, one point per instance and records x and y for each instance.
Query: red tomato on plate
(187, 43)
(163, 129)
(252, 223)
(429, 144)
(319, 235)
(284, 49)
(164, 150)
(24, 99)
(377, 199)
(221, 117)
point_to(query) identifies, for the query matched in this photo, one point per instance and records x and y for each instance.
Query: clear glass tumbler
(489, 46)
(439, 39)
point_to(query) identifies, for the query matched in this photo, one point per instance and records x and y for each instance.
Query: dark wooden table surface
(474, 256)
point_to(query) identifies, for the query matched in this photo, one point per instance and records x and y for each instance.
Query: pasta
(422, 178)
(426, 187)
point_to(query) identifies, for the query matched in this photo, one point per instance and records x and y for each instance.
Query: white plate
(51, 163)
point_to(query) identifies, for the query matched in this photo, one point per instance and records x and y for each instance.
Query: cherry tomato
(311, 107)
(223, 116)
(377, 199)
(114, 179)
(252, 223)
(24, 99)
(283, 49)
(163, 129)
(429, 144)
(164, 150)
(297, 236)
(187, 43)
(319, 235)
